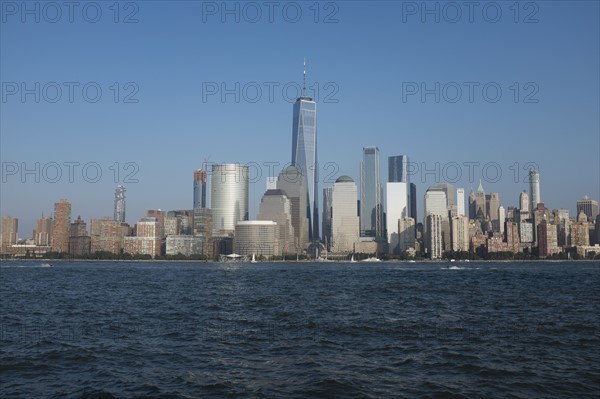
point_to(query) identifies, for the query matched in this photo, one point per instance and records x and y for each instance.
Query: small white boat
(372, 259)
(253, 259)
(352, 259)
(46, 265)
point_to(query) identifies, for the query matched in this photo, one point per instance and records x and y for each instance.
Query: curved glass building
(229, 197)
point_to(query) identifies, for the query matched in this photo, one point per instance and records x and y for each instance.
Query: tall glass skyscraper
(398, 169)
(398, 173)
(229, 194)
(371, 209)
(304, 155)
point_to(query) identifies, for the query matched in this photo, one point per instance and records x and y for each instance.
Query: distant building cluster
(367, 218)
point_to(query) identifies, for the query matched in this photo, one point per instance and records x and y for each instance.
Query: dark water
(181, 330)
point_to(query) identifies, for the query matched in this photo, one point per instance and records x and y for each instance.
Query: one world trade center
(304, 154)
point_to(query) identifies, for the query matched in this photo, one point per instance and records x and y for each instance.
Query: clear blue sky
(372, 54)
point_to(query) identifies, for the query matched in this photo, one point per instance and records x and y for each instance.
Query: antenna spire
(304, 87)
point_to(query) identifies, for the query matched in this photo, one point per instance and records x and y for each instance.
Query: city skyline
(175, 125)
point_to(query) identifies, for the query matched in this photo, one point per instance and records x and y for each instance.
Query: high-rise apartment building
(434, 242)
(460, 201)
(61, 226)
(79, 240)
(10, 229)
(42, 235)
(460, 233)
(107, 235)
(199, 188)
(119, 211)
(534, 188)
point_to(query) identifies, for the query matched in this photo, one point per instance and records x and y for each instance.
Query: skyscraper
(494, 205)
(534, 188)
(229, 197)
(42, 234)
(61, 226)
(397, 208)
(398, 169)
(304, 154)
(119, 213)
(10, 228)
(292, 182)
(480, 203)
(460, 201)
(412, 199)
(589, 207)
(345, 224)
(327, 193)
(199, 188)
(524, 203)
(371, 209)
(276, 206)
(398, 173)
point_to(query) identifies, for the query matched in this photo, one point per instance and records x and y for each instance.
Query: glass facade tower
(371, 209)
(304, 157)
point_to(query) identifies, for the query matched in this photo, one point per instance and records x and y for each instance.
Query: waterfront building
(229, 197)
(10, 232)
(434, 245)
(345, 222)
(276, 206)
(256, 237)
(42, 235)
(107, 235)
(61, 226)
(185, 245)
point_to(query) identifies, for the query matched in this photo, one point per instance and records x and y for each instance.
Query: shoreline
(297, 261)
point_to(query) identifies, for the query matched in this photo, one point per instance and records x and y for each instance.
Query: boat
(371, 259)
(253, 258)
(233, 258)
(46, 265)
(352, 259)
